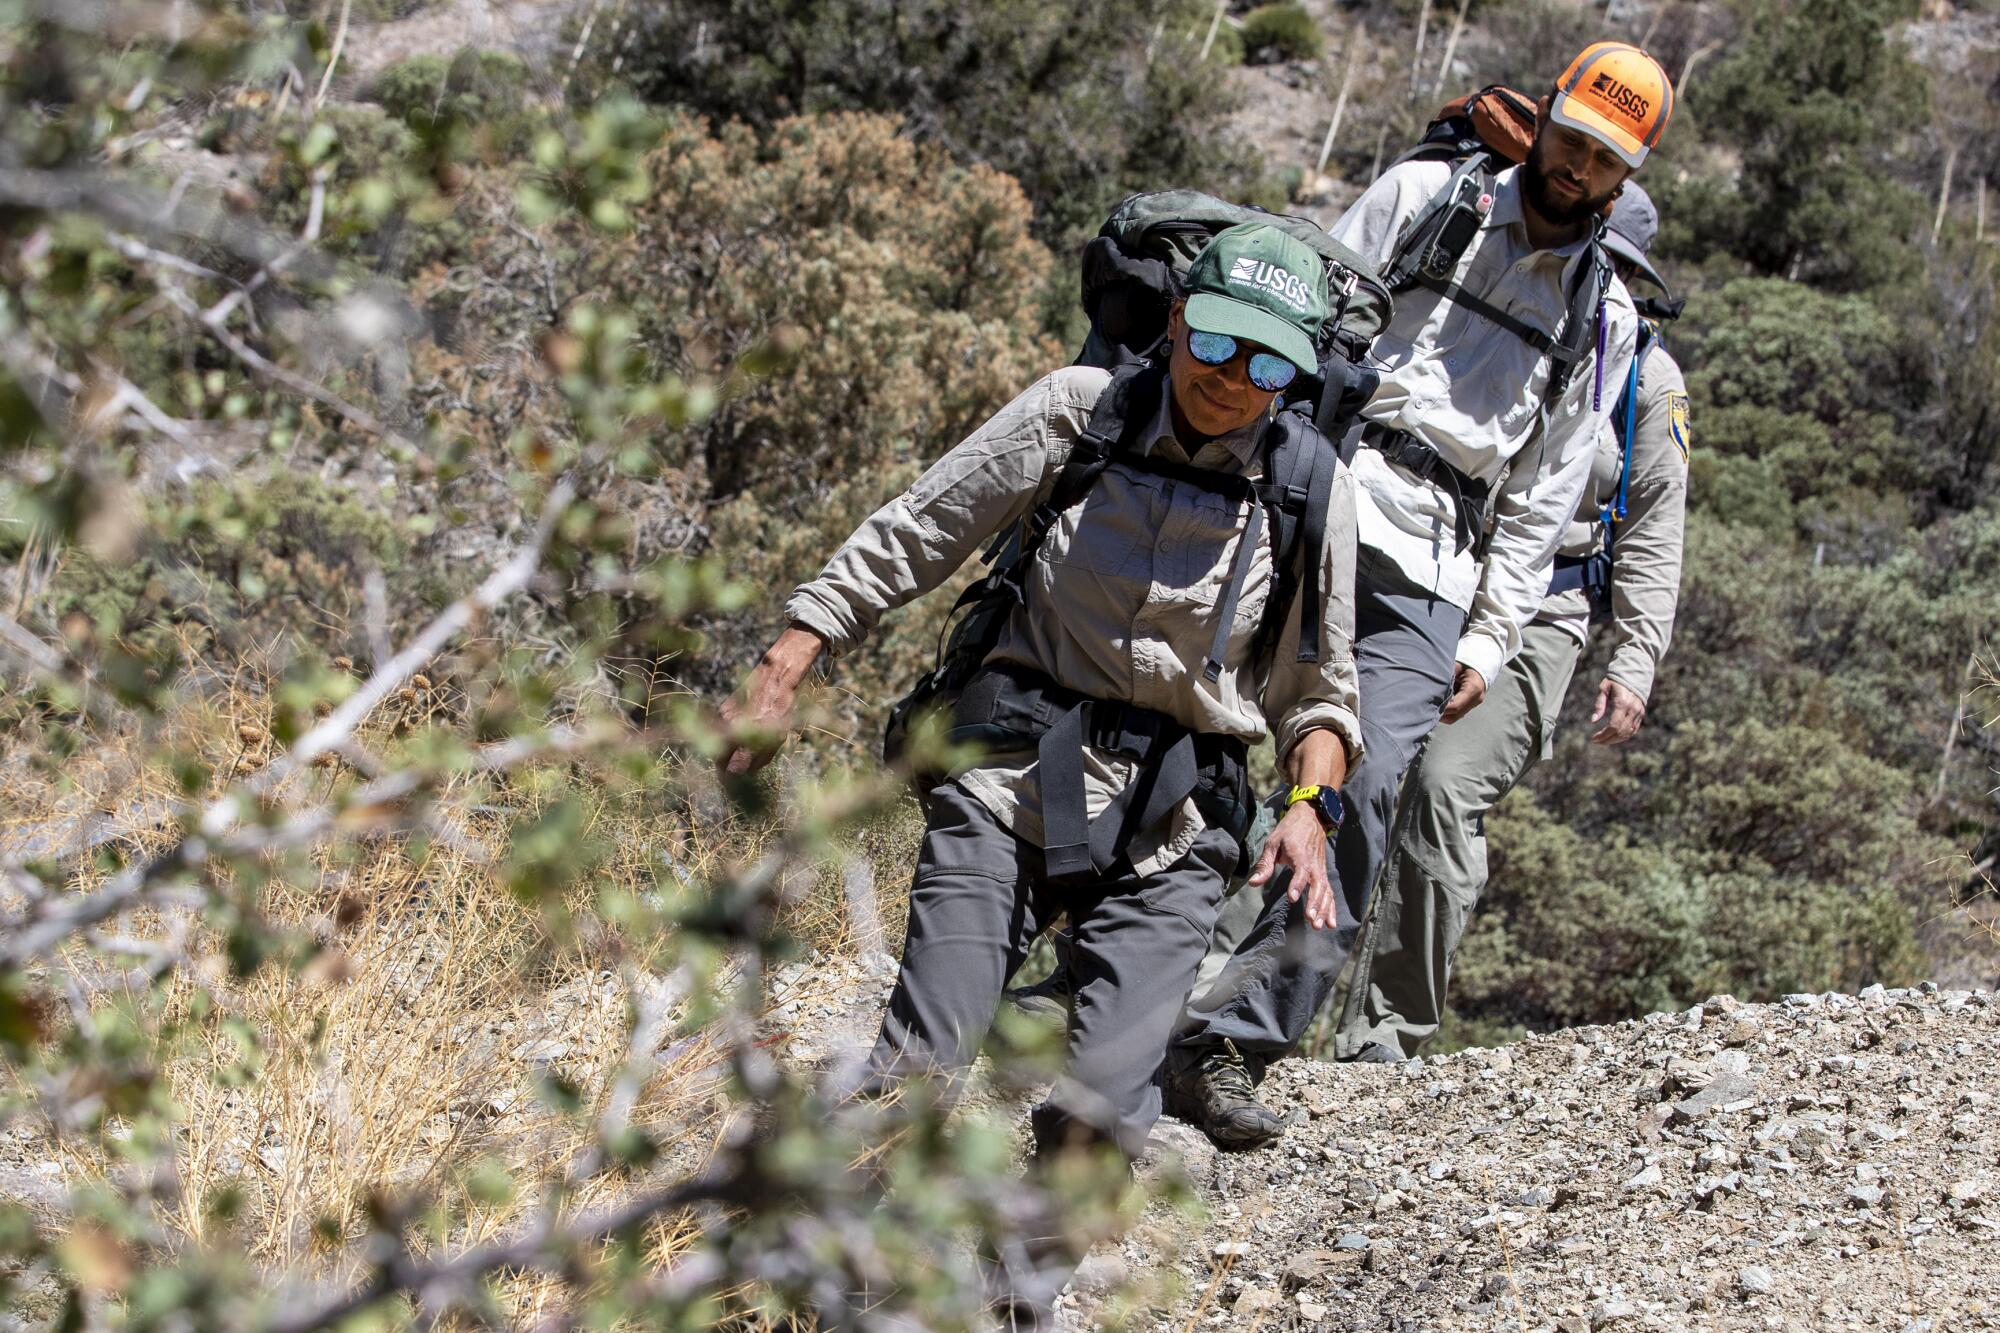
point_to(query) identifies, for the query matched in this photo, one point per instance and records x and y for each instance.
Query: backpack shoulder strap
(1122, 411)
(1583, 319)
(1296, 493)
(1427, 244)
(1626, 415)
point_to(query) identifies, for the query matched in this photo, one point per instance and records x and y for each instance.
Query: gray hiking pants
(1437, 867)
(979, 900)
(1281, 973)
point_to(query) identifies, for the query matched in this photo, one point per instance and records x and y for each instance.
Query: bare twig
(388, 677)
(1208, 42)
(1340, 102)
(133, 206)
(1450, 47)
(1695, 57)
(1417, 56)
(297, 383)
(315, 218)
(333, 58)
(540, 1246)
(1944, 193)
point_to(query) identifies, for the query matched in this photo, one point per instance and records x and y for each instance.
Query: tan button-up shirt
(1474, 392)
(1646, 575)
(1121, 601)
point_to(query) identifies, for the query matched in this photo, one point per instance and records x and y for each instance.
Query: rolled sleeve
(917, 540)
(1535, 505)
(1311, 696)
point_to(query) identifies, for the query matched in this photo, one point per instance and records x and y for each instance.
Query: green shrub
(476, 99)
(1812, 96)
(1082, 104)
(383, 206)
(909, 286)
(235, 566)
(1280, 32)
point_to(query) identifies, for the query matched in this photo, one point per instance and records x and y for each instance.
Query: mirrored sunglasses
(1268, 371)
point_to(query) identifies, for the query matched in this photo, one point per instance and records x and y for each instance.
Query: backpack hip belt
(1592, 574)
(1469, 495)
(1011, 707)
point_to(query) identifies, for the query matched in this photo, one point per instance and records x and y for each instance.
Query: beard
(1535, 181)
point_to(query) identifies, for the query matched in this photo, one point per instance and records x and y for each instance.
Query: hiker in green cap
(1146, 652)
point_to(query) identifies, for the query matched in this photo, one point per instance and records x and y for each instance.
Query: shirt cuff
(1633, 668)
(826, 615)
(1483, 655)
(1320, 717)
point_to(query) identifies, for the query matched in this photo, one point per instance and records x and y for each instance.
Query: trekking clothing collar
(1241, 442)
(1510, 210)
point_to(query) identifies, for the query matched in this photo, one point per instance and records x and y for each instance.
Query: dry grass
(407, 1055)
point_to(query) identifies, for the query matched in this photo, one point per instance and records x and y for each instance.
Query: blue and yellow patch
(1677, 421)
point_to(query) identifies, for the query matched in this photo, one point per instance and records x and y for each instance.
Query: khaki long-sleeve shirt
(1474, 392)
(1646, 570)
(1122, 600)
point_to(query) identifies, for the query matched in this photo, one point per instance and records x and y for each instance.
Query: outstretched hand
(1299, 844)
(757, 717)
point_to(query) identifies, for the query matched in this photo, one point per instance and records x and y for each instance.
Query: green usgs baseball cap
(1259, 284)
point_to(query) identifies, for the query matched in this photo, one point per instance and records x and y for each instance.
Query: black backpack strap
(1299, 466)
(1225, 619)
(1479, 305)
(1312, 537)
(1419, 250)
(1585, 317)
(1124, 409)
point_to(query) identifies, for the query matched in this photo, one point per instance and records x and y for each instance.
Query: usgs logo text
(1289, 287)
(1622, 97)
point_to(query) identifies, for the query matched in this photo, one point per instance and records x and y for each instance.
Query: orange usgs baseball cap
(1616, 93)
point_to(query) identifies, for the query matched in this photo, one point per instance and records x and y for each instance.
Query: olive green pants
(1436, 867)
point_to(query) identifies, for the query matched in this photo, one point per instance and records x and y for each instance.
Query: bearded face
(1566, 178)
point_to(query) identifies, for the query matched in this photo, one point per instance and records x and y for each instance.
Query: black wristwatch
(1326, 804)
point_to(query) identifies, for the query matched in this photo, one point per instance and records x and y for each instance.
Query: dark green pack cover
(1135, 267)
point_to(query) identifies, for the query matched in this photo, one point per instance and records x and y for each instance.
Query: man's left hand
(1298, 842)
(1621, 710)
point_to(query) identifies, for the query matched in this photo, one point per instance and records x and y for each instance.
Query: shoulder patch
(1677, 422)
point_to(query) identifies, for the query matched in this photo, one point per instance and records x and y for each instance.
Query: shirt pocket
(1106, 534)
(1200, 545)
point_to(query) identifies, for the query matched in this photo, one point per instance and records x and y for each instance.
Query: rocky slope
(1824, 1162)
(1827, 1162)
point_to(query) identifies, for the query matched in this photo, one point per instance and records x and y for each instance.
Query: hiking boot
(1049, 999)
(1215, 1094)
(1376, 1053)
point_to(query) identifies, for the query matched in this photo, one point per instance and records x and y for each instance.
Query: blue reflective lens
(1268, 371)
(1271, 372)
(1211, 349)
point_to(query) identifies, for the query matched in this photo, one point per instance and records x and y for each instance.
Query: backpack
(1134, 268)
(1592, 573)
(1482, 134)
(1133, 271)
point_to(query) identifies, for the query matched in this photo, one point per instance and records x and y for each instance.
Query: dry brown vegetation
(413, 1055)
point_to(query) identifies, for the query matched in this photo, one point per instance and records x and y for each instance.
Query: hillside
(411, 415)
(1826, 1162)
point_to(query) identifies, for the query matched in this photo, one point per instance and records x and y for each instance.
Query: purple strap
(1597, 391)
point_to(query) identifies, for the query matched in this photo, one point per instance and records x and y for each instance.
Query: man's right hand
(1468, 689)
(757, 717)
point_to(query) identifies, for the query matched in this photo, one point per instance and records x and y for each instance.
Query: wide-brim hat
(1630, 230)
